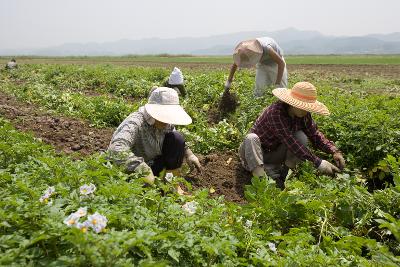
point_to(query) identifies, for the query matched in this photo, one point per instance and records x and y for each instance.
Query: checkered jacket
(275, 127)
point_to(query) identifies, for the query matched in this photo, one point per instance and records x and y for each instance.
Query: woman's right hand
(146, 170)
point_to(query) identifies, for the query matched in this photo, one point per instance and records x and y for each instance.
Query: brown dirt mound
(223, 173)
(213, 115)
(227, 104)
(65, 134)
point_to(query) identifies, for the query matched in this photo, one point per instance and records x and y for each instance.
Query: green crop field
(290, 59)
(352, 219)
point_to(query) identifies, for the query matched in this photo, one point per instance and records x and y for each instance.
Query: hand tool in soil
(228, 102)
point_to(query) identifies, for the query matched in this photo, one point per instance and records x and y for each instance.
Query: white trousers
(266, 76)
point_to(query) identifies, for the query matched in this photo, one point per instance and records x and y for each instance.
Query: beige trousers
(251, 155)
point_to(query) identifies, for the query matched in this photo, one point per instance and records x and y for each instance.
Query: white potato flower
(83, 226)
(97, 222)
(51, 190)
(272, 246)
(248, 224)
(47, 194)
(169, 177)
(81, 212)
(190, 207)
(44, 199)
(71, 220)
(87, 189)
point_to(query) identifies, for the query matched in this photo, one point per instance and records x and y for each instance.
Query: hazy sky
(41, 23)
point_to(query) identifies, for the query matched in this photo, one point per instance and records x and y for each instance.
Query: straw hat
(163, 105)
(303, 95)
(176, 77)
(247, 53)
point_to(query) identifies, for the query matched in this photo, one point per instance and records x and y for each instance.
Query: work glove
(339, 160)
(192, 160)
(327, 168)
(259, 172)
(227, 85)
(146, 170)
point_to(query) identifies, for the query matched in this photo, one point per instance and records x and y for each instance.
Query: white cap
(176, 77)
(163, 105)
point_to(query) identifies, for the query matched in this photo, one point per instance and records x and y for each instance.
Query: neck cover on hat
(149, 119)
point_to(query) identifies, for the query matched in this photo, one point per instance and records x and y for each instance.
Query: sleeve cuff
(317, 162)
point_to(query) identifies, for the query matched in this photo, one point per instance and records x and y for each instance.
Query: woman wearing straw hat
(278, 139)
(147, 141)
(267, 56)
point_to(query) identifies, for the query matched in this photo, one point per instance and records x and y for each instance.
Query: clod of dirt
(228, 103)
(76, 147)
(210, 158)
(227, 184)
(214, 115)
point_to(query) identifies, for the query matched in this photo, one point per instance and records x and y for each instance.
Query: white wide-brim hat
(303, 95)
(163, 105)
(247, 53)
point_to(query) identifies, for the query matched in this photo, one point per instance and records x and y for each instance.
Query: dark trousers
(172, 153)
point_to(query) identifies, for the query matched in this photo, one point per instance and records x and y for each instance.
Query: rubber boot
(280, 181)
(277, 172)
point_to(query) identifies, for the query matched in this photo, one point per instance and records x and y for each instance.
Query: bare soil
(223, 173)
(387, 71)
(65, 134)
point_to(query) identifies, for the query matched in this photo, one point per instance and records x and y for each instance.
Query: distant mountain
(342, 45)
(291, 40)
(391, 37)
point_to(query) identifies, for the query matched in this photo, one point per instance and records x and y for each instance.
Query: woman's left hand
(339, 160)
(194, 162)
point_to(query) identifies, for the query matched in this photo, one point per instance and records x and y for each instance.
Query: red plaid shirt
(275, 127)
